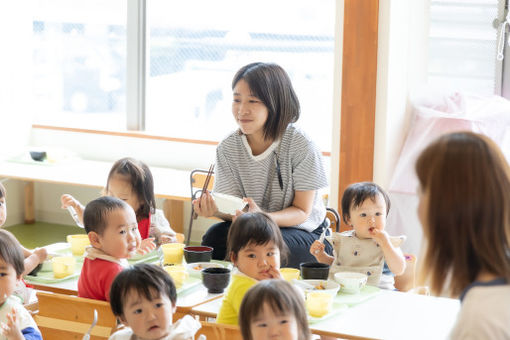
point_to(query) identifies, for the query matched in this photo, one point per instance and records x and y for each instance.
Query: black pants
(297, 240)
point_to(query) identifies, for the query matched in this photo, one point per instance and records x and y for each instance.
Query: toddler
(367, 247)
(131, 181)
(113, 233)
(143, 297)
(273, 309)
(254, 246)
(16, 320)
(32, 258)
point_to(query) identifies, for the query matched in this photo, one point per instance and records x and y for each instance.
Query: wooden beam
(359, 76)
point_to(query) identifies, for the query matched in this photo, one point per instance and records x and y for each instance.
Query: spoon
(87, 335)
(76, 219)
(302, 284)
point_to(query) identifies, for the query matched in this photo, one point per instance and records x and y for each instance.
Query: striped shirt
(240, 173)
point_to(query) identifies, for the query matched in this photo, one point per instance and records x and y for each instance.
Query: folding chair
(197, 180)
(69, 317)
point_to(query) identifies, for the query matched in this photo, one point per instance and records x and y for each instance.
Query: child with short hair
(367, 247)
(113, 233)
(16, 320)
(143, 297)
(32, 258)
(273, 308)
(254, 246)
(131, 181)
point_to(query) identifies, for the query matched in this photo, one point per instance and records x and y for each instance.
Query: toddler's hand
(379, 236)
(317, 249)
(41, 253)
(252, 206)
(11, 328)
(69, 201)
(166, 239)
(275, 273)
(146, 246)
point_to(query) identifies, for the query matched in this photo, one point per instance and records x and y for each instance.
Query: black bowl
(197, 254)
(38, 155)
(314, 271)
(215, 279)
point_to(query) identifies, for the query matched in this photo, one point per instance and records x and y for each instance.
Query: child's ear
(94, 239)
(232, 257)
(174, 308)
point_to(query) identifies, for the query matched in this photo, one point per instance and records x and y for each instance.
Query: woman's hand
(11, 328)
(205, 205)
(146, 246)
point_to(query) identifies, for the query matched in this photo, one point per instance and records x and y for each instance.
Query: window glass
(462, 45)
(79, 63)
(196, 46)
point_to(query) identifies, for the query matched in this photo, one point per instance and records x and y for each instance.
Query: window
(79, 63)
(463, 44)
(196, 46)
(193, 48)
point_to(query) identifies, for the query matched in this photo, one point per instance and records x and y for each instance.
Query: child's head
(365, 205)
(464, 210)
(3, 205)
(112, 227)
(144, 297)
(264, 88)
(255, 245)
(131, 181)
(273, 307)
(11, 264)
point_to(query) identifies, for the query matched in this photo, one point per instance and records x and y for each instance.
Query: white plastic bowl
(228, 204)
(351, 282)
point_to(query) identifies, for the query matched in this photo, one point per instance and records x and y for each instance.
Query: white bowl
(351, 282)
(197, 267)
(228, 204)
(307, 286)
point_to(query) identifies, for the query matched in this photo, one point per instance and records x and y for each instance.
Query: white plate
(196, 267)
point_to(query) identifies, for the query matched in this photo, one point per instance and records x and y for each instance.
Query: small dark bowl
(197, 254)
(38, 155)
(314, 271)
(215, 279)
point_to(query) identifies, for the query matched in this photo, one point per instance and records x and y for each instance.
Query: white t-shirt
(182, 329)
(484, 313)
(241, 174)
(23, 316)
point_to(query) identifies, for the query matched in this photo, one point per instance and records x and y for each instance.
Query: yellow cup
(63, 266)
(78, 243)
(178, 273)
(289, 273)
(173, 253)
(318, 304)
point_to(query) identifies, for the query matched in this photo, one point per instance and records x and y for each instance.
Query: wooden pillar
(359, 76)
(29, 203)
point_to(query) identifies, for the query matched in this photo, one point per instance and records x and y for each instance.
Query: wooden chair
(69, 317)
(216, 331)
(406, 281)
(197, 180)
(334, 219)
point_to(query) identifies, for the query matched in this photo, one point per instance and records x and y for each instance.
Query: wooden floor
(41, 233)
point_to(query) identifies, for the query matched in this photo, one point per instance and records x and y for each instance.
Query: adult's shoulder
(233, 138)
(298, 138)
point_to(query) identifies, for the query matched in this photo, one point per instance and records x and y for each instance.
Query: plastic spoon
(76, 219)
(302, 284)
(87, 335)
